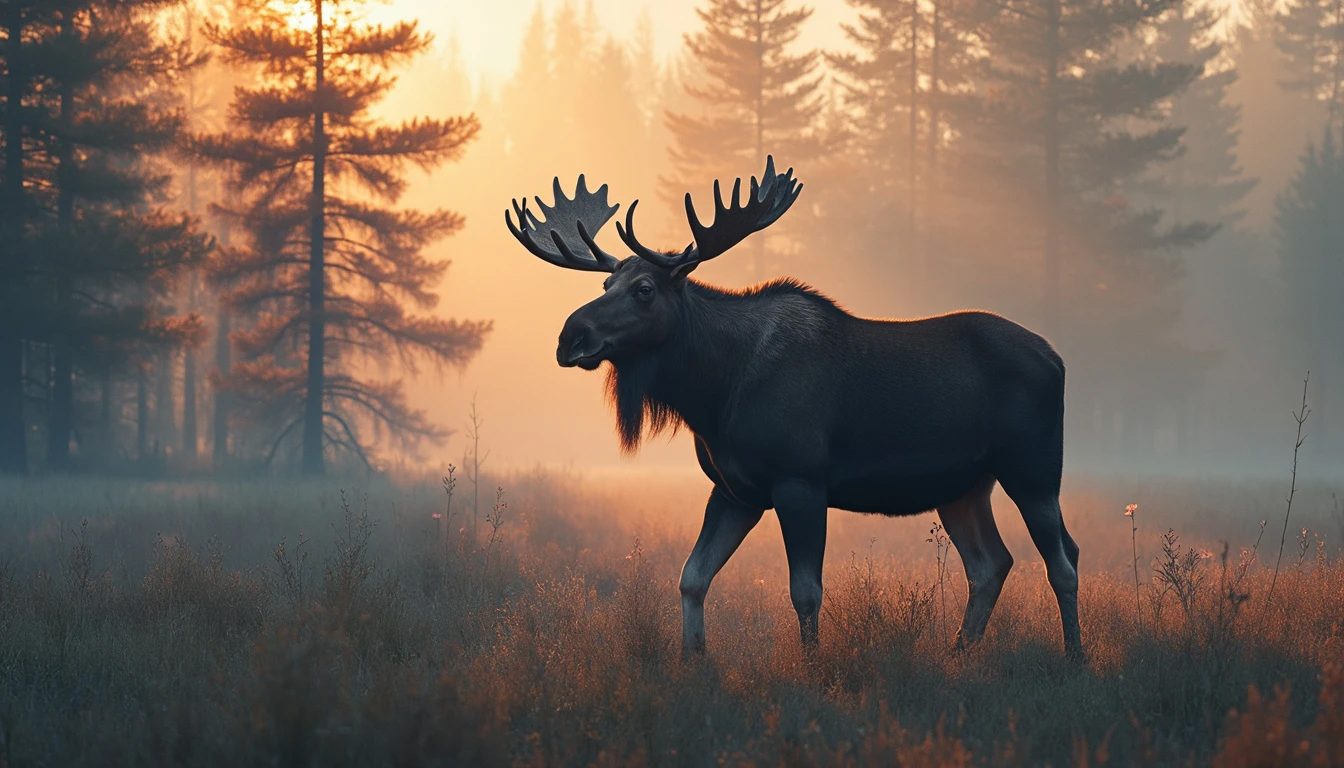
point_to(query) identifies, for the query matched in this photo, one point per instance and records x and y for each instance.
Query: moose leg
(727, 523)
(1045, 523)
(801, 508)
(969, 522)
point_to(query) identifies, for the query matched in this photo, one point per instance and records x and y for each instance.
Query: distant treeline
(201, 250)
(1100, 171)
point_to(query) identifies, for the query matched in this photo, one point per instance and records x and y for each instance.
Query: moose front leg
(801, 508)
(727, 523)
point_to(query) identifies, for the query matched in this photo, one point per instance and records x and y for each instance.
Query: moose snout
(579, 345)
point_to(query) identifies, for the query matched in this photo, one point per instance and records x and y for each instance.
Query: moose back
(799, 406)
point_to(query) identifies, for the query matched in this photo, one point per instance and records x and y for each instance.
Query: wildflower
(1130, 509)
(437, 515)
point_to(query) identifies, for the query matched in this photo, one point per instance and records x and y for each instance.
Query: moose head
(644, 295)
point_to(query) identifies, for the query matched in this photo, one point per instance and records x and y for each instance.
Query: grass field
(267, 624)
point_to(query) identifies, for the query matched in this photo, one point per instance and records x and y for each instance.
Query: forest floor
(299, 625)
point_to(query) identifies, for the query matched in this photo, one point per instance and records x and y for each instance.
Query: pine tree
(883, 110)
(17, 19)
(646, 73)
(1274, 125)
(758, 97)
(897, 87)
(531, 99)
(1311, 35)
(97, 74)
(1310, 235)
(1205, 181)
(1068, 119)
(204, 98)
(335, 266)
(1063, 130)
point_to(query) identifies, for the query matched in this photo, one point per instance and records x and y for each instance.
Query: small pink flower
(437, 515)
(1130, 509)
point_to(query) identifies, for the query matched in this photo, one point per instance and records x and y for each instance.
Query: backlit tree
(337, 271)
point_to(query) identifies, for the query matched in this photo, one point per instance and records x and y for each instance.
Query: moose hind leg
(801, 508)
(1045, 523)
(969, 522)
(727, 523)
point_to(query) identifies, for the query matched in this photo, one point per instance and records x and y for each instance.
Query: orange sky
(490, 31)
(535, 412)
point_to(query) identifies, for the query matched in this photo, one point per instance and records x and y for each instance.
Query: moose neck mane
(689, 379)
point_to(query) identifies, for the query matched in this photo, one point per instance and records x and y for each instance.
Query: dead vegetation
(231, 625)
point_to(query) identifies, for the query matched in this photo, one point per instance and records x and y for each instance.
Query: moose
(797, 405)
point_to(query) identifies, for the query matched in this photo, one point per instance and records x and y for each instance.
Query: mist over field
(296, 468)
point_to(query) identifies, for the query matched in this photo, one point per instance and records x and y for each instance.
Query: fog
(1235, 304)
(1159, 206)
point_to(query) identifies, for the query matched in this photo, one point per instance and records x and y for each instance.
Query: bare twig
(1131, 511)
(446, 519)
(1300, 417)
(473, 464)
(496, 520)
(942, 546)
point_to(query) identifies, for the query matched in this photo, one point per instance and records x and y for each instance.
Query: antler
(570, 225)
(767, 201)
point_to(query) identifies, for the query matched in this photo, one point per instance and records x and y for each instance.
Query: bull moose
(799, 406)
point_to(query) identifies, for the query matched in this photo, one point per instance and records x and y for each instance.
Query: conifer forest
(290, 475)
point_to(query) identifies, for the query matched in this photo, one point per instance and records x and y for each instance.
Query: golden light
(299, 14)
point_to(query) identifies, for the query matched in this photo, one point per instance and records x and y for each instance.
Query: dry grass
(293, 625)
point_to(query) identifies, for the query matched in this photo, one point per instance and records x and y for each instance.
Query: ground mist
(303, 624)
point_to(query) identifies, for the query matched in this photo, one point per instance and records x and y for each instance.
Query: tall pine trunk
(312, 407)
(219, 423)
(189, 384)
(912, 223)
(13, 439)
(1051, 142)
(220, 420)
(189, 432)
(107, 430)
(758, 247)
(60, 414)
(931, 167)
(164, 425)
(189, 427)
(142, 415)
(1337, 66)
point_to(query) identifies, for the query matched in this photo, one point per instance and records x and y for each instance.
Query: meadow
(359, 622)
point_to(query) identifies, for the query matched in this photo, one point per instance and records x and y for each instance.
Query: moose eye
(644, 291)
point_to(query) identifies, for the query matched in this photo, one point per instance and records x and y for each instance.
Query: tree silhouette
(1064, 116)
(1205, 182)
(1311, 36)
(333, 266)
(97, 80)
(757, 97)
(897, 85)
(1310, 235)
(1063, 129)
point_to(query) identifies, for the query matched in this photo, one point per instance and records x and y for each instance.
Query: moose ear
(685, 267)
(682, 271)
